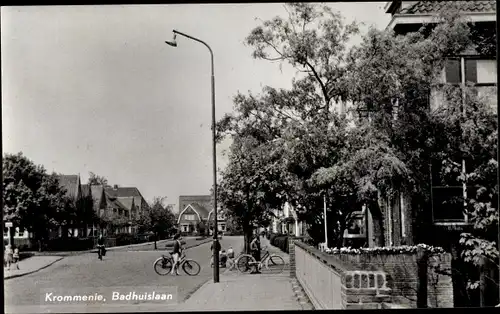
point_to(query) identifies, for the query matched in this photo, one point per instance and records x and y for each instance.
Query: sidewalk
(244, 292)
(30, 265)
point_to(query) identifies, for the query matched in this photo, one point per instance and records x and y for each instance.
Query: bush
(170, 243)
(280, 241)
(25, 255)
(125, 239)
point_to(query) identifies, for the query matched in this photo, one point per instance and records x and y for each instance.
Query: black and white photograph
(250, 156)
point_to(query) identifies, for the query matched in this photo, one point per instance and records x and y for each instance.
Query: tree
(202, 228)
(31, 198)
(298, 126)
(247, 186)
(95, 179)
(233, 227)
(157, 219)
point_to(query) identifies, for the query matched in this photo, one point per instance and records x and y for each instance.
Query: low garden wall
(373, 278)
(333, 284)
(406, 269)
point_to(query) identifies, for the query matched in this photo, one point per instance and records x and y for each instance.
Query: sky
(95, 88)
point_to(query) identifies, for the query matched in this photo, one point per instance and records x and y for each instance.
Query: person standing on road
(255, 247)
(176, 253)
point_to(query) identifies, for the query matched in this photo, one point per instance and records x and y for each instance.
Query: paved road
(118, 269)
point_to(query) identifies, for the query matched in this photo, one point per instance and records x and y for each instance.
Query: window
(452, 71)
(477, 71)
(356, 227)
(185, 228)
(189, 217)
(402, 211)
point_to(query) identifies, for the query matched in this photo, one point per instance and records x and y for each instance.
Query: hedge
(70, 244)
(280, 241)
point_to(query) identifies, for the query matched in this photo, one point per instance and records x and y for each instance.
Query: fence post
(422, 260)
(291, 254)
(482, 282)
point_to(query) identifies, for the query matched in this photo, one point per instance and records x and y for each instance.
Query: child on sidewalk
(15, 257)
(8, 256)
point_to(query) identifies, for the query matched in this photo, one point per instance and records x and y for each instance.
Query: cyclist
(176, 253)
(100, 246)
(255, 247)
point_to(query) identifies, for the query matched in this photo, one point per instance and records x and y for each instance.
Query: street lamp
(173, 43)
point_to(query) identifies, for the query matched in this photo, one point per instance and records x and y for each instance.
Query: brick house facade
(393, 222)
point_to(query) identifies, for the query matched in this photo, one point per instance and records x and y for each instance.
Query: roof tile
(423, 7)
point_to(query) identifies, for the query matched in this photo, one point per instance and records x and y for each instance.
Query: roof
(69, 183)
(200, 209)
(127, 202)
(125, 192)
(425, 7)
(86, 190)
(203, 200)
(115, 202)
(96, 191)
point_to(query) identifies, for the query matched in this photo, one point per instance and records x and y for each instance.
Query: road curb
(34, 271)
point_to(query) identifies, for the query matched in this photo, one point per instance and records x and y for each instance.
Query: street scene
(250, 157)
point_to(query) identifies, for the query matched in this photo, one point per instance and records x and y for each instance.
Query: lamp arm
(202, 42)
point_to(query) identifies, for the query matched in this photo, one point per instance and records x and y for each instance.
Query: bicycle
(163, 265)
(273, 262)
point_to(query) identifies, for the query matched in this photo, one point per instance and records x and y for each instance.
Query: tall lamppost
(173, 43)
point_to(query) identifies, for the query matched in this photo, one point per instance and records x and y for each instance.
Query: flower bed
(405, 249)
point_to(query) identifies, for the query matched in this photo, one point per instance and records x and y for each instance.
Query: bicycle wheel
(191, 267)
(245, 263)
(275, 263)
(163, 266)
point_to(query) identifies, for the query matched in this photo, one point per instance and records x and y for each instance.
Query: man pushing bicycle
(176, 254)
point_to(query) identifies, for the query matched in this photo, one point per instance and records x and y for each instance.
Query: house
(287, 221)
(393, 222)
(134, 192)
(476, 66)
(124, 204)
(73, 187)
(194, 209)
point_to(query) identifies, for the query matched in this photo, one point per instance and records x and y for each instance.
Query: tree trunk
(156, 237)
(11, 234)
(247, 234)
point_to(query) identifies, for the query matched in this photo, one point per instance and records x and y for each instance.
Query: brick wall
(365, 290)
(402, 276)
(291, 254)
